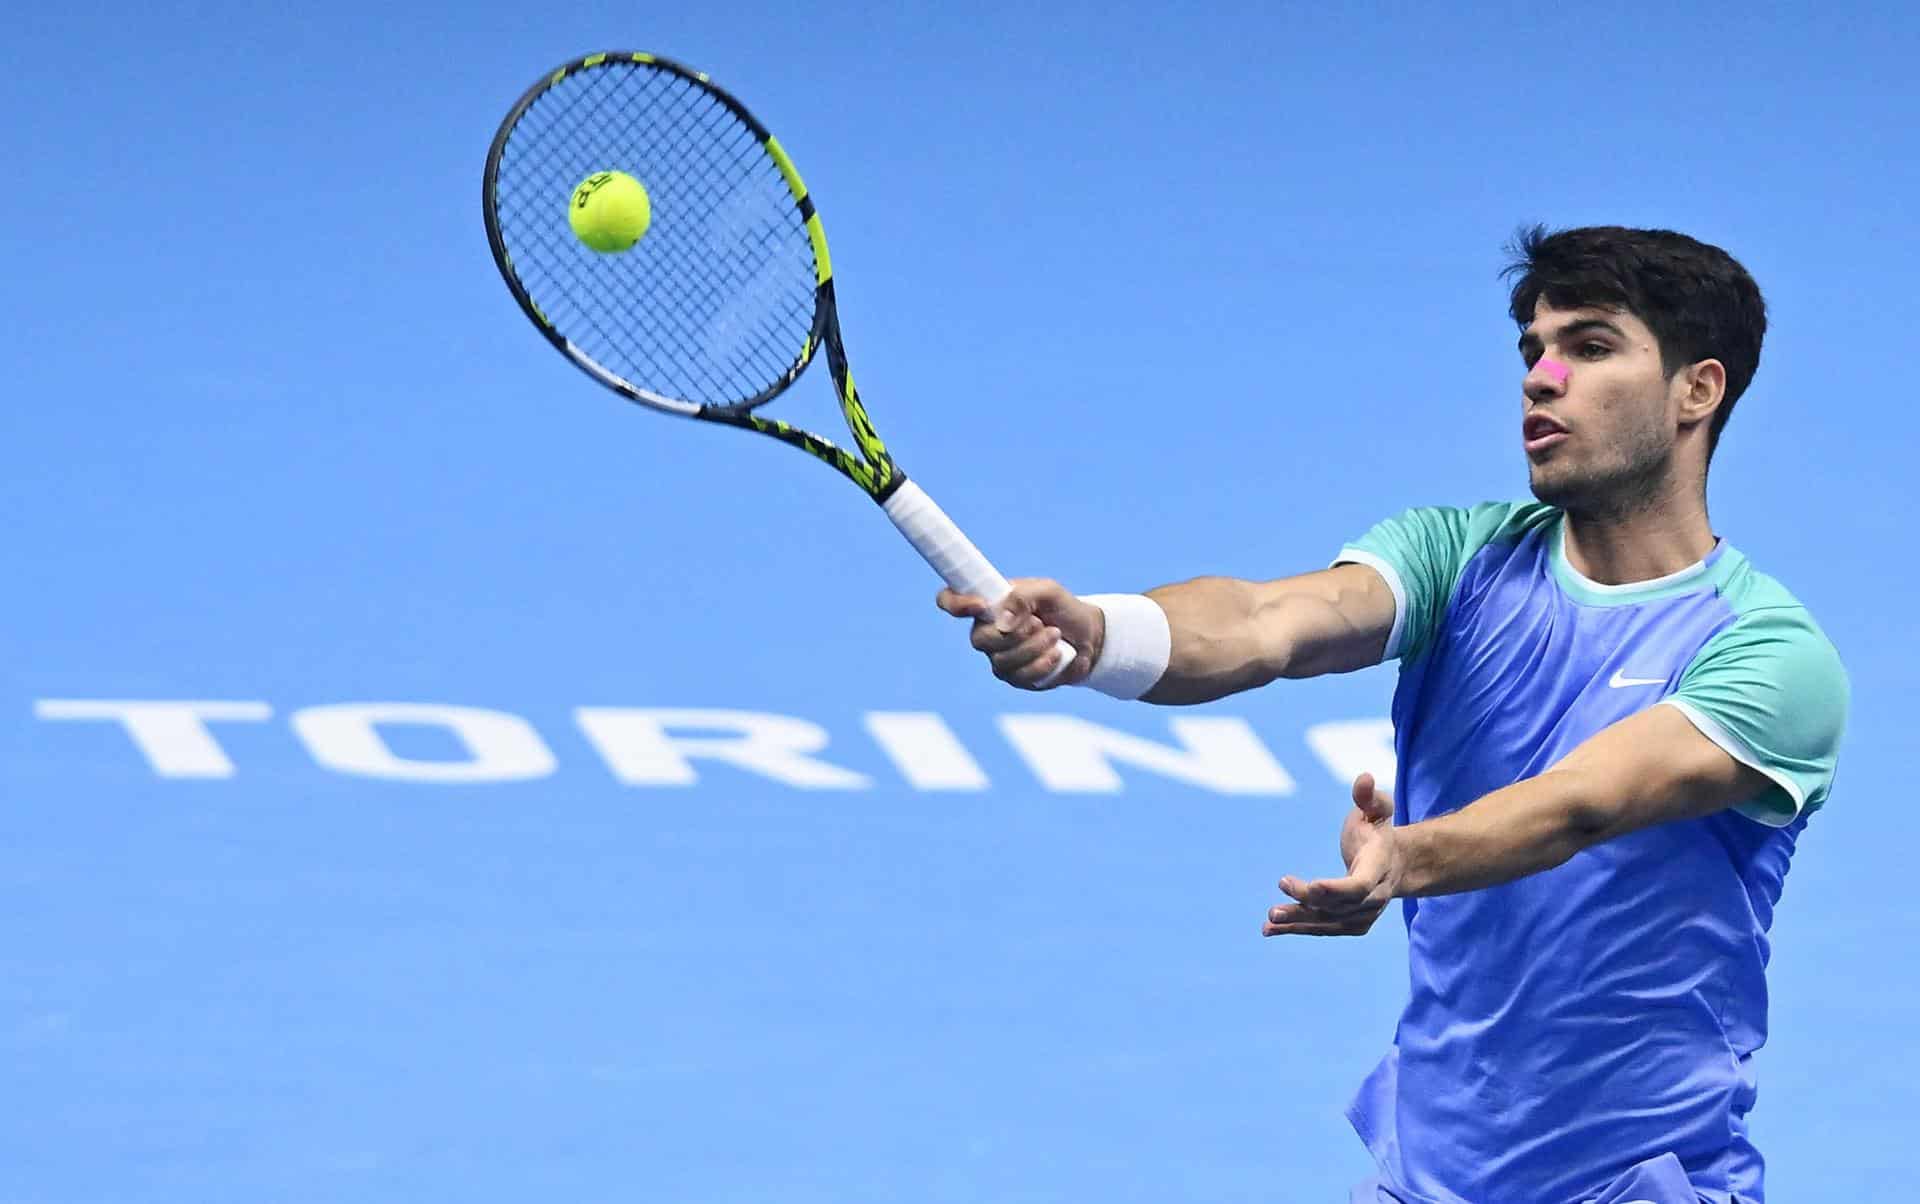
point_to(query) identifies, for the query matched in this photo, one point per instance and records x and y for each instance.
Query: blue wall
(1137, 292)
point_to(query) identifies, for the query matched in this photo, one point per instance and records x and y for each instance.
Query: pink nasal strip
(1557, 370)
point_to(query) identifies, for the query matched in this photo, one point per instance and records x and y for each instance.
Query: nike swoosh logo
(1619, 682)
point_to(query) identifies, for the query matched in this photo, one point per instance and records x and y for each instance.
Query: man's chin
(1612, 489)
(1553, 489)
(1583, 496)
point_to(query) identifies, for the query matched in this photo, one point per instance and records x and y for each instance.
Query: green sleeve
(1422, 553)
(1772, 692)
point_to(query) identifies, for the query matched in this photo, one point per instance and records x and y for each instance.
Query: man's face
(1599, 418)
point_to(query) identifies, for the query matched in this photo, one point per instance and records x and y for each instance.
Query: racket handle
(953, 556)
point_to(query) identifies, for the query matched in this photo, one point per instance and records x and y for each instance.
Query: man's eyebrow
(1530, 340)
(1589, 326)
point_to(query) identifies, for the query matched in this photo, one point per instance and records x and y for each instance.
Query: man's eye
(1593, 351)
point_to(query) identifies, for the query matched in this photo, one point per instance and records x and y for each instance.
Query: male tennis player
(1610, 730)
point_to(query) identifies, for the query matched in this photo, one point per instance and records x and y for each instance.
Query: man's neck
(1641, 546)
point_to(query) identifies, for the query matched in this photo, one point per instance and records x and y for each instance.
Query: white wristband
(1138, 646)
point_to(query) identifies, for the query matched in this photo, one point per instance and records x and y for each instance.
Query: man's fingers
(1077, 672)
(1022, 633)
(1342, 906)
(1305, 921)
(1335, 896)
(1038, 593)
(961, 606)
(1008, 611)
(1340, 895)
(1373, 802)
(1002, 634)
(1293, 919)
(1016, 662)
(1042, 666)
(1318, 928)
(1366, 792)
(1017, 604)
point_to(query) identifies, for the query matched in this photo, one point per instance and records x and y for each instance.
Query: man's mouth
(1540, 432)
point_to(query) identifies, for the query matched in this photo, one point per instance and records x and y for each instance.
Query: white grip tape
(953, 555)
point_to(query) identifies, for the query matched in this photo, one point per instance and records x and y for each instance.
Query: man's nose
(1546, 379)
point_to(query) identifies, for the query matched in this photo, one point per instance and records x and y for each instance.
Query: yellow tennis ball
(609, 211)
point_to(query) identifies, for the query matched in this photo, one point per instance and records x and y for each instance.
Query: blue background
(1138, 292)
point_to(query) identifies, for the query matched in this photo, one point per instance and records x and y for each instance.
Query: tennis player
(1610, 730)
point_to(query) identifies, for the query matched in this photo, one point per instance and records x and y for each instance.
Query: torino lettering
(670, 747)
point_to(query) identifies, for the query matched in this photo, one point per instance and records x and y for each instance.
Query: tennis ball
(609, 211)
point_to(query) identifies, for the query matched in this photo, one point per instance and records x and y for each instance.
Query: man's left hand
(1347, 906)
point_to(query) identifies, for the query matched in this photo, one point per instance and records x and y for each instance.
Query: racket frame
(928, 528)
(872, 468)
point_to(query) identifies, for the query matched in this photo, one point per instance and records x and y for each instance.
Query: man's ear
(1703, 386)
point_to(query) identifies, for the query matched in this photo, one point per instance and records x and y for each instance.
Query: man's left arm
(1650, 768)
(1755, 723)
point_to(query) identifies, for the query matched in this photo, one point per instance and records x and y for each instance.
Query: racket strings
(714, 305)
(687, 275)
(749, 154)
(562, 129)
(702, 301)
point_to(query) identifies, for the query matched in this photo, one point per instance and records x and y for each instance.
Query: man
(1610, 730)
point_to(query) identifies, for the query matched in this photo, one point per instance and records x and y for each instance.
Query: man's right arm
(1192, 642)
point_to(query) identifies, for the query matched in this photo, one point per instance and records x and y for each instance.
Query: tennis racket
(727, 298)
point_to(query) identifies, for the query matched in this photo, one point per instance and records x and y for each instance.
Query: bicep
(1649, 768)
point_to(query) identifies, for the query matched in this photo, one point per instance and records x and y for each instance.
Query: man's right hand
(1018, 635)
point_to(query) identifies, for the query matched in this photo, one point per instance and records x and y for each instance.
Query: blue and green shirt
(1597, 1021)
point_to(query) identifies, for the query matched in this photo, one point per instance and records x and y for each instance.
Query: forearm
(1521, 829)
(1220, 644)
(1230, 635)
(1650, 768)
